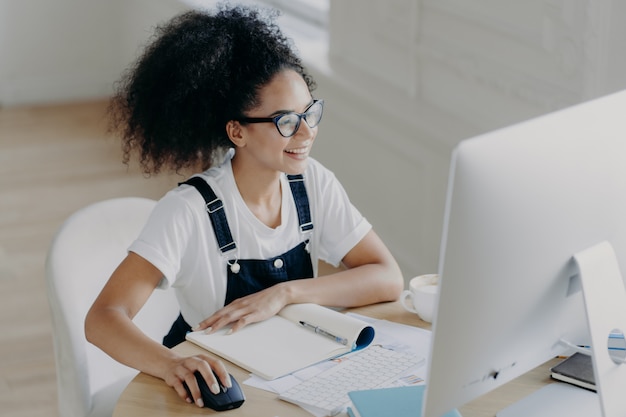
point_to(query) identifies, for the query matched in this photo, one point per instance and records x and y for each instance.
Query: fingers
(242, 322)
(193, 389)
(215, 322)
(249, 309)
(184, 383)
(237, 320)
(184, 394)
(215, 375)
(239, 313)
(185, 373)
(222, 374)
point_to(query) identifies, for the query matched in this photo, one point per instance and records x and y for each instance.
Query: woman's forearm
(114, 332)
(372, 276)
(362, 285)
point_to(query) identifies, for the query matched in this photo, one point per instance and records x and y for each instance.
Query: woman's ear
(235, 133)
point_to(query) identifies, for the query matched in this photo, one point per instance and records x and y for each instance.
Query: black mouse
(227, 399)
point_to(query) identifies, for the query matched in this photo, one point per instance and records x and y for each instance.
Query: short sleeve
(342, 225)
(165, 237)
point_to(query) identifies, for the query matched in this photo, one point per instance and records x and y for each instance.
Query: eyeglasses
(288, 123)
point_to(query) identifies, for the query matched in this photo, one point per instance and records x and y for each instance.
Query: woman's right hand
(182, 370)
(109, 326)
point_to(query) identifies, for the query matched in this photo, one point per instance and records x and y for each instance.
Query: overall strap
(215, 210)
(298, 190)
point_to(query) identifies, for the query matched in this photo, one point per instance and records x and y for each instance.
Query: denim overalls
(247, 276)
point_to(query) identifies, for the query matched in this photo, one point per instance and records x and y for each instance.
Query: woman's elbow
(89, 326)
(397, 283)
(94, 325)
(393, 282)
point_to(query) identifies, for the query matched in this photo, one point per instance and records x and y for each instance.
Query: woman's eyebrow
(279, 112)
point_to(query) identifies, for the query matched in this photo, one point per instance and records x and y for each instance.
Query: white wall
(54, 49)
(403, 80)
(408, 79)
(64, 50)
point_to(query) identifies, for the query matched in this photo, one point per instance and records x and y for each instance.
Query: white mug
(423, 294)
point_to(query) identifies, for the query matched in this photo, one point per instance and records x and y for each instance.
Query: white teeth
(297, 151)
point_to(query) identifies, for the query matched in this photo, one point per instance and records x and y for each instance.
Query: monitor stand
(555, 400)
(605, 302)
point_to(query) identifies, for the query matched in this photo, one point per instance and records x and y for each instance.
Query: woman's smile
(299, 152)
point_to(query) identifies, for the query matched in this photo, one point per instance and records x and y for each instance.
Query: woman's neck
(262, 193)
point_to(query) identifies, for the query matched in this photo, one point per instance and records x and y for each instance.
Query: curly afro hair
(199, 71)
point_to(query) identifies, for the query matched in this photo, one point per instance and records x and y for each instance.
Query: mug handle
(406, 294)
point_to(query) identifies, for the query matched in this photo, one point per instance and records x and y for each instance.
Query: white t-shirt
(178, 238)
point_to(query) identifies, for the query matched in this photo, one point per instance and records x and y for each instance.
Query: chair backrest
(87, 248)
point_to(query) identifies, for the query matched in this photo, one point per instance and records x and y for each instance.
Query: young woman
(240, 239)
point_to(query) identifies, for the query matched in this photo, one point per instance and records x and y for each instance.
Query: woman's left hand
(245, 310)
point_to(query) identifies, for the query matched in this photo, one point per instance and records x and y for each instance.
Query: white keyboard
(371, 368)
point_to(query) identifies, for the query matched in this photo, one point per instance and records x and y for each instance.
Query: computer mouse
(227, 399)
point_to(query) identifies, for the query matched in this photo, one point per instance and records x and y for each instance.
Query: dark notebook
(577, 370)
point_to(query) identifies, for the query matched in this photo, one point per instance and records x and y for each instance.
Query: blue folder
(395, 401)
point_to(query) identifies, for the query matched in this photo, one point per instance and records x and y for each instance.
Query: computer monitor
(522, 201)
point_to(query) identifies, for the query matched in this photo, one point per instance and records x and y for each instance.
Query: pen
(323, 332)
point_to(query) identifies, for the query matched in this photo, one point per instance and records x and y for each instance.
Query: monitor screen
(521, 202)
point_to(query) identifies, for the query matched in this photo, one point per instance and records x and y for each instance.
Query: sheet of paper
(388, 334)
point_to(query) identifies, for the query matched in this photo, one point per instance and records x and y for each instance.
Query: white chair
(83, 254)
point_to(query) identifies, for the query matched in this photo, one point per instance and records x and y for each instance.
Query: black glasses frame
(275, 119)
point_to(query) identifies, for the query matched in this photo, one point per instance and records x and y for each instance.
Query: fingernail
(208, 330)
(199, 402)
(195, 328)
(215, 388)
(230, 331)
(229, 383)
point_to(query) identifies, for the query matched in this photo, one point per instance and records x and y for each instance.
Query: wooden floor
(53, 161)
